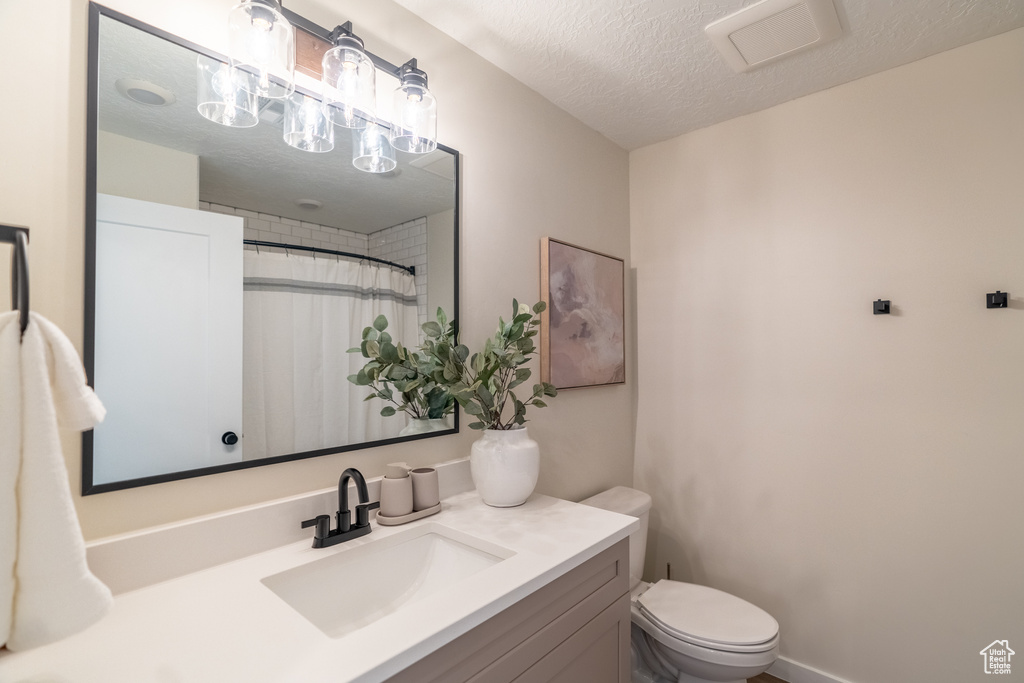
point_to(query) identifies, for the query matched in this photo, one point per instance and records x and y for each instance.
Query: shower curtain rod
(259, 243)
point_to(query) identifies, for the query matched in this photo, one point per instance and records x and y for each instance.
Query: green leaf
(355, 349)
(432, 329)
(380, 323)
(540, 307)
(387, 411)
(442, 319)
(462, 351)
(522, 374)
(372, 348)
(539, 403)
(385, 338)
(388, 352)
(549, 390)
(473, 409)
(369, 333)
(477, 425)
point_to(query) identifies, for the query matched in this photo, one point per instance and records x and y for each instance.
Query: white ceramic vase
(424, 425)
(505, 464)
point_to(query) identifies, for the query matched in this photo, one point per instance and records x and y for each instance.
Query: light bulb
(262, 42)
(349, 83)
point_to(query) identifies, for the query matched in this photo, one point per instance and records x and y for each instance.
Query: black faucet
(345, 530)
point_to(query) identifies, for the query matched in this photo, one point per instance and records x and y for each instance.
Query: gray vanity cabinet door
(573, 630)
(597, 653)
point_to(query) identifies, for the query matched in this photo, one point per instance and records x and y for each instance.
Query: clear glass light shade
(371, 150)
(262, 43)
(415, 119)
(222, 95)
(305, 125)
(349, 80)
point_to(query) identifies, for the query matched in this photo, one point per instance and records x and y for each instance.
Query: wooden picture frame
(582, 332)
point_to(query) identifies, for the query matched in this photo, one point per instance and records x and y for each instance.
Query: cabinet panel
(506, 645)
(597, 653)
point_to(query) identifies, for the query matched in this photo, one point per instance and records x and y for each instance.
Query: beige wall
(529, 170)
(858, 476)
(142, 170)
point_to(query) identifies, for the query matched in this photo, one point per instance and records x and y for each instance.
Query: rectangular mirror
(228, 272)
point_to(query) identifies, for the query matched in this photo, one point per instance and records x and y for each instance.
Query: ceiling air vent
(771, 29)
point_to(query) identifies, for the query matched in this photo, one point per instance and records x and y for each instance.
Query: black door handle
(229, 438)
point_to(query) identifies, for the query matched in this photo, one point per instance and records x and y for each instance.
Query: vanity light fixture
(415, 112)
(372, 151)
(221, 95)
(306, 125)
(262, 66)
(349, 80)
(262, 43)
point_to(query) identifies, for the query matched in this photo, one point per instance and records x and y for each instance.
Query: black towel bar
(18, 236)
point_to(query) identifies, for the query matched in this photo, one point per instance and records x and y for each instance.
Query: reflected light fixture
(262, 43)
(372, 151)
(222, 96)
(349, 80)
(415, 112)
(306, 126)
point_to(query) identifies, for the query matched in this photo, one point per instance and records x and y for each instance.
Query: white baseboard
(794, 672)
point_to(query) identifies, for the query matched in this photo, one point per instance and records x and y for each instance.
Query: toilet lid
(708, 617)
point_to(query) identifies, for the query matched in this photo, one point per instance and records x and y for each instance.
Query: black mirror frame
(88, 356)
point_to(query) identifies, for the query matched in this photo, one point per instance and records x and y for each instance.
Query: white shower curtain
(301, 315)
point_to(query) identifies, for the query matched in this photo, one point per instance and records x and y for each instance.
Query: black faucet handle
(363, 512)
(322, 523)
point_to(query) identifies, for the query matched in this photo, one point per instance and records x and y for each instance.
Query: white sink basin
(350, 588)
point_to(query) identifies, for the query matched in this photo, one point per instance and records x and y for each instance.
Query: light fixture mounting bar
(323, 35)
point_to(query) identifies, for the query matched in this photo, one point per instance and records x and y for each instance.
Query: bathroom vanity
(474, 593)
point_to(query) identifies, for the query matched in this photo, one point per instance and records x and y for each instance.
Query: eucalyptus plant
(483, 382)
(400, 376)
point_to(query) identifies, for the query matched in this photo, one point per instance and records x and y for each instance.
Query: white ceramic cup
(425, 490)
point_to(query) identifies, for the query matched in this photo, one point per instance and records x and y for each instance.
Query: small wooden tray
(411, 517)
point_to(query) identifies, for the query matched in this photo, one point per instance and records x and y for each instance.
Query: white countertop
(222, 624)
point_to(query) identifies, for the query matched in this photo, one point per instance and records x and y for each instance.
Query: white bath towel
(46, 590)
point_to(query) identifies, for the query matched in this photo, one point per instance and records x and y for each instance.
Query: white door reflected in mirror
(169, 282)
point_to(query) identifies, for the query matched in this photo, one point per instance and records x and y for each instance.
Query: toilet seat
(708, 618)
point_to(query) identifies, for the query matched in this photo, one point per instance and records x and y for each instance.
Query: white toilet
(684, 633)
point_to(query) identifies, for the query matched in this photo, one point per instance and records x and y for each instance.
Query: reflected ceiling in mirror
(152, 153)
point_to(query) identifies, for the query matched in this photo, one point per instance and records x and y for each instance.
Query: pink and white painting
(582, 329)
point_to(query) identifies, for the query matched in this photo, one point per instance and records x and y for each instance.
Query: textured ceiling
(253, 168)
(642, 71)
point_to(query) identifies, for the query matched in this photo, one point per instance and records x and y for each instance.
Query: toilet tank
(627, 501)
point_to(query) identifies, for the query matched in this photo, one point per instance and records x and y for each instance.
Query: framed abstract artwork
(582, 330)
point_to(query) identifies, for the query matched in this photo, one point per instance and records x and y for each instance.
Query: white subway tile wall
(405, 244)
